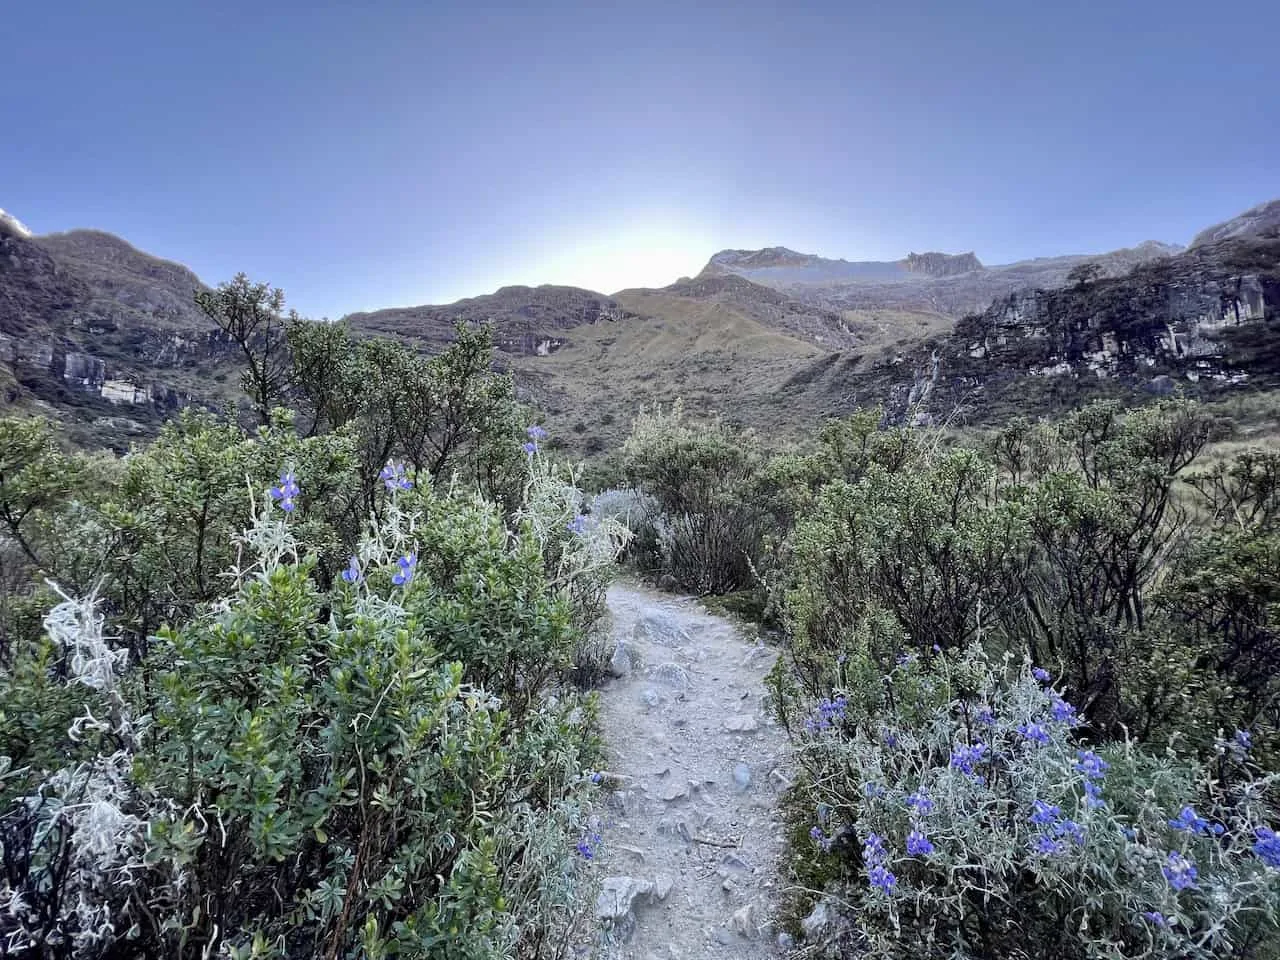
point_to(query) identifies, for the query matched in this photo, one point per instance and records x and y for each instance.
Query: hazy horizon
(421, 154)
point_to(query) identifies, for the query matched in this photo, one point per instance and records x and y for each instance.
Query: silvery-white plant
(973, 790)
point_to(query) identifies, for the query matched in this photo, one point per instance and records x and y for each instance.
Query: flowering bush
(378, 766)
(962, 813)
(579, 550)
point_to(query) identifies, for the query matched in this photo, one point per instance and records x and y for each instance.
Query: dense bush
(352, 729)
(298, 771)
(957, 811)
(1092, 548)
(709, 527)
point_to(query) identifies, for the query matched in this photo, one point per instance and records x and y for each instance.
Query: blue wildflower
(965, 758)
(352, 574)
(918, 845)
(1048, 845)
(880, 876)
(1241, 744)
(985, 716)
(405, 567)
(394, 477)
(1043, 813)
(1040, 674)
(1155, 917)
(586, 846)
(1179, 871)
(1093, 795)
(906, 659)
(1190, 821)
(536, 433)
(890, 738)
(1034, 732)
(530, 448)
(1267, 847)
(1090, 764)
(920, 803)
(286, 491)
(1064, 712)
(873, 849)
(578, 525)
(1071, 830)
(1130, 834)
(936, 649)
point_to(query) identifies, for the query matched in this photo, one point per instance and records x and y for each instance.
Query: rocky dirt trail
(691, 835)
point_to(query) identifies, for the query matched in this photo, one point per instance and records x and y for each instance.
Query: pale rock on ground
(691, 835)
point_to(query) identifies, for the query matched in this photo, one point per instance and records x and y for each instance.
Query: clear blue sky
(418, 152)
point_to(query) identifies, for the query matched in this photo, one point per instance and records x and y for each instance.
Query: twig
(717, 843)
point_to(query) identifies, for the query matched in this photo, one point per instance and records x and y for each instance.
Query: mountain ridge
(94, 329)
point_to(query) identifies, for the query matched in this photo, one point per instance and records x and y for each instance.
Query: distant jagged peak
(11, 226)
(1263, 218)
(942, 264)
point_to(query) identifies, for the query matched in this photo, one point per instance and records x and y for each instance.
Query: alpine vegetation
(313, 688)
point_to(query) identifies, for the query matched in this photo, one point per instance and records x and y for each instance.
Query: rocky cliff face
(1207, 319)
(91, 325)
(949, 284)
(941, 264)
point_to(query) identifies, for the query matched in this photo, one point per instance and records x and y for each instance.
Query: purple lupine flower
(405, 567)
(1048, 845)
(1071, 830)
(918, 844)
(1130, 834)
(536, 433)
(1093, 795)
(578, 525)
(286, 491)
(1034, 732)
(1156, 917)
(394, 477)
(352, 574)
(1189, 821)
(1044, 813)
(1064, 712)
(586, 846)
(1040, 674)
(873, 849)
(880, 876)
(530, 448)
(906, 659)
(1179, 871)
(821, 839)
(1267, 847)
(1241, 744)
(985, 716)
(920, 803)
(965, 758)
(1090, 764)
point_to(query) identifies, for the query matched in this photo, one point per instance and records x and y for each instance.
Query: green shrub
(709, 532)
(368, 764)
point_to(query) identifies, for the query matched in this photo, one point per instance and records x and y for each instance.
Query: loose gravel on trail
(691, 835)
